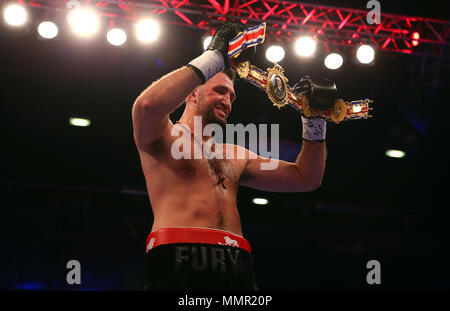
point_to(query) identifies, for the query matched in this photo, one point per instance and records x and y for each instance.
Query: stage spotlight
(305, 46)
(333, 61)
(84, 22)
(48, 30)
(415, 36)
(116, 36)
(81, 122)
(392, 153)
(275, 53)
(260, 201)
(147, 30)
(15, 15)
(365, 54)
(206, 42)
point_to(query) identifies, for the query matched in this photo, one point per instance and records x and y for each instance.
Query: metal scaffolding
(333, 26)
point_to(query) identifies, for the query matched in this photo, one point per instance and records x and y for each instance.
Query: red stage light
(415, 42)
(416, 35)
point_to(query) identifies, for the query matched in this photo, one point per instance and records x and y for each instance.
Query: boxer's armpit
(157, 149)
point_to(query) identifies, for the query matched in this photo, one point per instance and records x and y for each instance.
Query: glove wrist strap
(314, 129)
(208, 64)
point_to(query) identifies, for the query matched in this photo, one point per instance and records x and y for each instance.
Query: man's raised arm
(307, 172)
(152, 108)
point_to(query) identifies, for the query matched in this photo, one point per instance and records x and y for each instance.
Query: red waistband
(195, 235)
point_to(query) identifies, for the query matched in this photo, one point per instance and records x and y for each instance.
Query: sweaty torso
(187, 192)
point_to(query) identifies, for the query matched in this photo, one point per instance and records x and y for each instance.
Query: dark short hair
(230, 73)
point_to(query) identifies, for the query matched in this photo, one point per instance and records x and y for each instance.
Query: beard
(207, 111)
(209, 114)
(210, 117)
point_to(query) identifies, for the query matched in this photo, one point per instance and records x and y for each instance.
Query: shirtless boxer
(196, 242)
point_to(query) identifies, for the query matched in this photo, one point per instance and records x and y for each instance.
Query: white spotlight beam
(333, 61)
(80, 122)
(147, 30)
(84, 21)
(15, 15)
(365, 54)
(393, 153)
(48, 30)
(305, 46)
(116, 36)
(275, 53)
(260, 201)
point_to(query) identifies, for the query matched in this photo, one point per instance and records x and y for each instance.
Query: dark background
(79, 193)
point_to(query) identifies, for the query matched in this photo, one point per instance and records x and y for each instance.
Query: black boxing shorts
(185, 259)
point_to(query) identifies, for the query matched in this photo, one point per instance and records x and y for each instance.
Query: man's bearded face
(215, 98)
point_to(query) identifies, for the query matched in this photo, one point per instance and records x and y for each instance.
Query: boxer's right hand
(221, 39)
(215, 59)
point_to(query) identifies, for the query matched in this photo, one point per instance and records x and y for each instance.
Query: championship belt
(274, 83)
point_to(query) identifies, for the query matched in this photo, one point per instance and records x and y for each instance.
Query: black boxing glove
(221, 39)
(215, 59)
(320, 93)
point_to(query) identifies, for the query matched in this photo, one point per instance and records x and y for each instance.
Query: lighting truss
(333, 26)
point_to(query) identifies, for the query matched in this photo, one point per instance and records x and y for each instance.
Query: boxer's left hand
(320, 93)
(314, 129)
